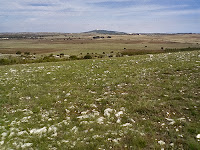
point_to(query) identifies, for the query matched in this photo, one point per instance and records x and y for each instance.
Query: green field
(138, 102)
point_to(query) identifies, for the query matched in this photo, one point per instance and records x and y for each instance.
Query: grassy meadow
(138, 102)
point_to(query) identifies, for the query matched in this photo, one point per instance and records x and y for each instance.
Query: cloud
(79, 15)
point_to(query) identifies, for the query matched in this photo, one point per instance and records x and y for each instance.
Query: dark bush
(87, 57)
(62, 55)
(4, 62)
(27, 53)
(73, 57)
(18, 52)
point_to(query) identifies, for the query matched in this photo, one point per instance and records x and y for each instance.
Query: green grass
(118, 103)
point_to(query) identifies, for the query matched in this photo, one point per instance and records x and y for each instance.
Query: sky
(73, 16)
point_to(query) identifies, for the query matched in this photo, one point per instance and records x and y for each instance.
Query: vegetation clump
(73, 57)
(87, 56)
(18, 52)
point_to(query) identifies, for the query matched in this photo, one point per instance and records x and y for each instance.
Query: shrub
(27, 53)
(87, 57)
(62, 54)
(73, 57)
(50, 55)
(4, 62)
(18, 52)
(118, 55)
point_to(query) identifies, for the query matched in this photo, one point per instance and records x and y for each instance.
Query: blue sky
(131, 16)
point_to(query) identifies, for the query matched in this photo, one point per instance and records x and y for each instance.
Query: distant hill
(105, 32)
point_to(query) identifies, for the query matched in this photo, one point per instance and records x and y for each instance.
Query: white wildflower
(22, 132)
(11, 134)
(84, 112)
(74, 129)
(198, 136)
(83, 117)
(1, 142)
(180, 135)
(26, 145)
(84, 122)
(127, 125)
(65, 141)
(171, 121)
(50, 119)
(107, 71)
(38, 131)
(67, 111)
(52, 129)
(118, 120)
(100, 120)
(161, 142)
(116, 141)
(133, 120)
(68, 94)
(181, 119)
(96, 113)
(54, 135)
(4, 134)
(93, 105)
(96, 136)
(107, 112)
(124, 93)
(118, 114)
(25, 119)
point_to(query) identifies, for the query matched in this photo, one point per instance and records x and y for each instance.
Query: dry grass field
(74, 44)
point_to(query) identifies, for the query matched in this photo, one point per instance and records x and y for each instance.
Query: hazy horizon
(106, 30)
(75, 16)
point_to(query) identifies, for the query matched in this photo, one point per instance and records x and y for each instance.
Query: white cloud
(79, 15)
